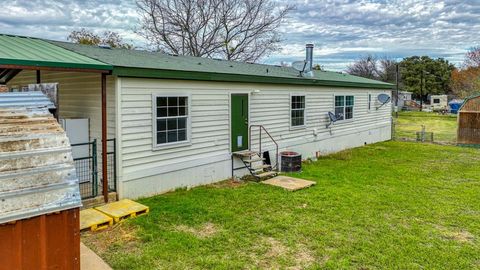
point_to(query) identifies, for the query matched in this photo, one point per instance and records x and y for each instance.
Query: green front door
(239, 122)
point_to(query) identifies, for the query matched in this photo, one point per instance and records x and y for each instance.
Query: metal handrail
(260, 128)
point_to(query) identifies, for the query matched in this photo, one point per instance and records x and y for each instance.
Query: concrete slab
(94, 220)
(289, 183)
(123, 209)
(90, 260)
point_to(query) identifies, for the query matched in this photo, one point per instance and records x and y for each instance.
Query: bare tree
(372, 67)
(387, 69)
(242, 30)
(366, 67)
(472, 58)
(84, 36)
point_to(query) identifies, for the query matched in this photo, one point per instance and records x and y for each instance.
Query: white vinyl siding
(209, 114)
(208, 121)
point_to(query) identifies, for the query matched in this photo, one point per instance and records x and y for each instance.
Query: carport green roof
(145, 64)
(26, 51)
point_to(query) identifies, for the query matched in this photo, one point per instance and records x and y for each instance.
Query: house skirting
(203, 170)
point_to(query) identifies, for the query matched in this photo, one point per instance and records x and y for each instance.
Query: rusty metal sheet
(50, 241)
(37, 174)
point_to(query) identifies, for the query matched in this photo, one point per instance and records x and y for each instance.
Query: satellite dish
(383, 99)
(299, 65)
(333, 118)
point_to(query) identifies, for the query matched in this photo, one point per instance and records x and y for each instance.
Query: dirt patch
(275, 248)
(121, 235)
(458, 235)
(270, 252)
(205, 231)
(228, 184)
(461, 236)
(303, 258)
(266, 253)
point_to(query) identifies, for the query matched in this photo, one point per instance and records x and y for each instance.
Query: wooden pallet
(123, 209)
(93, 220)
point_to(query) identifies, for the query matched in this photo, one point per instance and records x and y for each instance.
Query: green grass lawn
(444, 127)
(393, 205)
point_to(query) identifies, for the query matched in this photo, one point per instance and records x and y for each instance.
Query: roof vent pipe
(309, 57)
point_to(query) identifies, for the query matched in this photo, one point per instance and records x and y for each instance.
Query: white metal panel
(78, 132)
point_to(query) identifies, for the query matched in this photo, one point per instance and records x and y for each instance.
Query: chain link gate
(88, 169)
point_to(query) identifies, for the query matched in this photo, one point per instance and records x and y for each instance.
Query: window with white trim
(297, 111)
(171, 119)
(344, 107)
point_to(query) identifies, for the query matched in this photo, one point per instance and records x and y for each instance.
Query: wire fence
(425, 127)
(87, 167)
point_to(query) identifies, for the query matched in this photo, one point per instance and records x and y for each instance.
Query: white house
(177, 120)
(403, 96)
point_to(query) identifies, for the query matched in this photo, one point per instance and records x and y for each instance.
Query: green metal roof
(26, 51)
(136, 63)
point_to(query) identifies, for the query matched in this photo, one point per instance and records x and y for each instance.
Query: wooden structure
(469, 122)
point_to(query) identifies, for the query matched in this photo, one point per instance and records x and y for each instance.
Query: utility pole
(421, 91)
(397, 93)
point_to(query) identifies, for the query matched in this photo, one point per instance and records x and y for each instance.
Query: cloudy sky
(341, 30)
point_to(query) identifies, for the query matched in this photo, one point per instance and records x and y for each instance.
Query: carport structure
(35, 56)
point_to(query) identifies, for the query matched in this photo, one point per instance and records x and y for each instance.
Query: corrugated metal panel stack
(39, 192)
(37, 174)
(33, 99)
